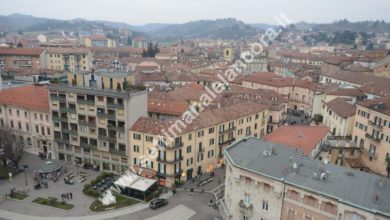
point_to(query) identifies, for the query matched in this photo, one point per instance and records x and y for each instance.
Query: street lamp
(25, 175)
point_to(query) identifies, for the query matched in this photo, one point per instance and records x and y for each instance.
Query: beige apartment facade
(300, 93)
(25, 111)
(198, 148)
(90, 123)
(265, 180)
(371, 132)
(68, 59)
(339, 116)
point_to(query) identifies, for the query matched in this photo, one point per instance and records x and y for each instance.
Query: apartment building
(91, 116)
(371, 132)
(196, 147)
(25, 110)
(339, 115)
(300, 93)
(14, 58)
(68, 59)
(265, 180)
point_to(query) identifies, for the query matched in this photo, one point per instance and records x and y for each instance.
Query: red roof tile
(29, 97)
(302, 137)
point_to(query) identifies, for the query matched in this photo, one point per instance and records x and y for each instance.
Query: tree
(19, 45)
(152, 50)
(10, 147)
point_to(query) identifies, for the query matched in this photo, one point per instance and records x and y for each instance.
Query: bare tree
(10, 147)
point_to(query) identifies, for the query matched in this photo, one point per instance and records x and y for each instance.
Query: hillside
(221, 28)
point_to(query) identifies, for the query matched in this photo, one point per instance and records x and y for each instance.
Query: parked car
(157, 203)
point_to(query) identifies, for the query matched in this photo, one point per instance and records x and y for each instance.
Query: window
(136, 148)
(211, 130)
(311, 201)
(267, 187)
(265, 205)
(137, 136)
(211, 141)
(188, 149)
(189, 137)
(25, 114)
(149, 139)
(330, 208)
(200, 133)
(246, 199)
(17, 113)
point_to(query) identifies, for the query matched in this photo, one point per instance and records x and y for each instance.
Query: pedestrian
(67, 195)
(62, 196)
(71, 196)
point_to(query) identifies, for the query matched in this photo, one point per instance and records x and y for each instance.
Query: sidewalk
(218, 179)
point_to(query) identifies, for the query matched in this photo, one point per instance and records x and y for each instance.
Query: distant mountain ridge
(228, 28)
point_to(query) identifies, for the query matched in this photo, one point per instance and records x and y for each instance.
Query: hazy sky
(180, 11)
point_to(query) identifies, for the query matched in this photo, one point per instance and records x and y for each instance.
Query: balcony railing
(244, 205)
(118, 152)
(227, 141)
(368, 152)
(162, 160)
(101, 114)
(229, 129)
(60, 140)
(375, 139)
(58, 98)
(86, 102)
(376, 126)
(115, 106)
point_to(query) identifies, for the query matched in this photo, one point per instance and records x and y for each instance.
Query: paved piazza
(181, 206)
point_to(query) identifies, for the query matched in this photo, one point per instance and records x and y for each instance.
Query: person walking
(71, 196)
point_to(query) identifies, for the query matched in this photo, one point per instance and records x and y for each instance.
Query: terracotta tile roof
(341, 107)
(271, 79)
(204, 119)
(352, 92)
(302, 137)
(22, 51)
(30, 97)
(381, 105)
(167, 107)
(338, 60)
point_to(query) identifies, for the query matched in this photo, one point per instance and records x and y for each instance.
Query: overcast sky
(181, 11)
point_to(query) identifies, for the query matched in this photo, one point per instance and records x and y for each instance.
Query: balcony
(244, 205)
(63, 119)
(229, 129)
(71, 110)
(374, 125)
(73, 132)
(162, 160)
(64, 109)
(57, 98)
(111, 116)
(60, 140)
(115, 106)
(118, 152)
(55, 118)
(372, 138)
(65, 130)
(101, 114)
(86, 102)
(177, 145)
(227, 142)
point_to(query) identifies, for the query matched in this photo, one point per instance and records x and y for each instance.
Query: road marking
(180, 212)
